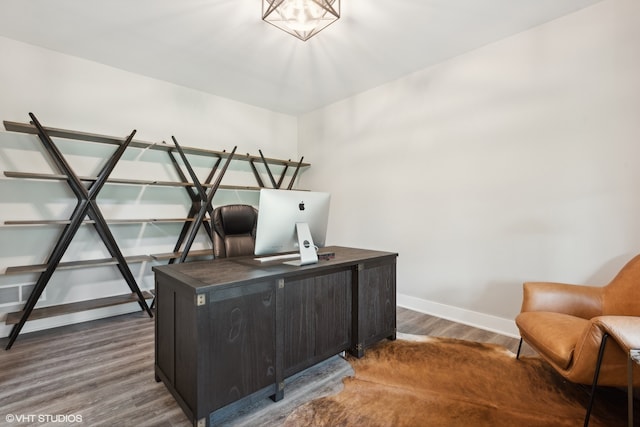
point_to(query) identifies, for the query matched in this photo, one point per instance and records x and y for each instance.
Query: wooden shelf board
(238, 187)
(109, 221)
(175, 255)
(104, 139)
(34, 175)
(60, 177)
(44, 222)
(147, 182)
(154, 220)
(58, 310)
(39, 268)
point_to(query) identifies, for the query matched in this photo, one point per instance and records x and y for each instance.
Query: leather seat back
(234, 230)
(622, 295)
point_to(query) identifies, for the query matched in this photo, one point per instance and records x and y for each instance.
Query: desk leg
(279, 395)
(630, 390)
(280, 347)
(357, 350)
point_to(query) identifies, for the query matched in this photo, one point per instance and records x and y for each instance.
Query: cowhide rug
(448, 382)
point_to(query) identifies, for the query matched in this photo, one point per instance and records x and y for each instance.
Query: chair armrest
(624, 329)
(576, 300)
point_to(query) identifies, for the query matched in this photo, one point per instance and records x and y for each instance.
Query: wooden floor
(102, 371)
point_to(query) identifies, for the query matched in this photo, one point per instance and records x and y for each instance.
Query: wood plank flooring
(103, 372)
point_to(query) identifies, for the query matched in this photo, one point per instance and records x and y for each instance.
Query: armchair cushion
(554, 334)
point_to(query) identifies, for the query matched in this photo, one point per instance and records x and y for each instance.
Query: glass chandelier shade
(301, 18)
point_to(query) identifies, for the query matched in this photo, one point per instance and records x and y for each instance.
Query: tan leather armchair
(585, 332)
(570, 325)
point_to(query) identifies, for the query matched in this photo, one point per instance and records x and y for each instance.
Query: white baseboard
(484, 321)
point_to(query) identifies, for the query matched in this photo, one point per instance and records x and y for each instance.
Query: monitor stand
(308, 253)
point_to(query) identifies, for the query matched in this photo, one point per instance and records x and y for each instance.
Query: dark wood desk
(229, 331)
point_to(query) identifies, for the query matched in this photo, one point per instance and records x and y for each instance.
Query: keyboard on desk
(289, 257)
(282, 257)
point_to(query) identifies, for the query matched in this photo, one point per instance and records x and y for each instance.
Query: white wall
(513, 162)
(68, 92)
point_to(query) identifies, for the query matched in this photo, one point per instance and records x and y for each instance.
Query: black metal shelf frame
(86, 206)
(86, 190)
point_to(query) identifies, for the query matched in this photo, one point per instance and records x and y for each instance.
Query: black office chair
(234, 230)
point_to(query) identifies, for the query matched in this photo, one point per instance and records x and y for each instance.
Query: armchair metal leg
(595, 379)
(519, 348)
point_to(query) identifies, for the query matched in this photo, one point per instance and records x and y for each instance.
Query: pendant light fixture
(301, 18)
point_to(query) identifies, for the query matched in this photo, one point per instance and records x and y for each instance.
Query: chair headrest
(236, 219)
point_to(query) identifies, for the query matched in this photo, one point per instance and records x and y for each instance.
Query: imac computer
(291, 220)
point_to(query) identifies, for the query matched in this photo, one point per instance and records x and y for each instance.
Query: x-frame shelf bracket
(274, 184)
(86, 206)
(201, 201)
(196, 202)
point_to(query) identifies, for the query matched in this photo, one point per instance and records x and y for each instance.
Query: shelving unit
(87, 212)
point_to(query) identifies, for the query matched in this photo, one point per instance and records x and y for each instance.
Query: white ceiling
(222, 47)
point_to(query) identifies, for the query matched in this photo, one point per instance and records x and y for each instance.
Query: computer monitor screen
(278, 213)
